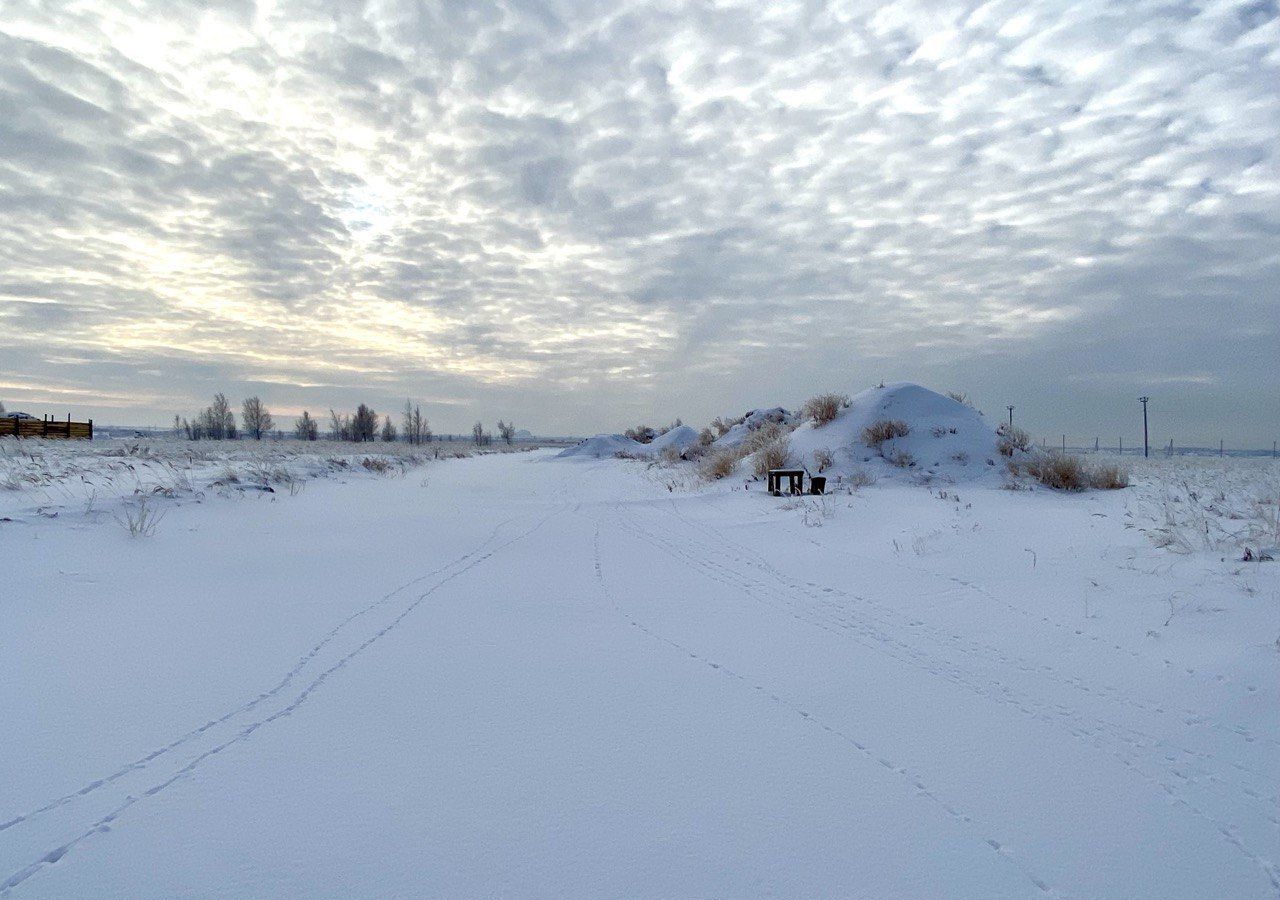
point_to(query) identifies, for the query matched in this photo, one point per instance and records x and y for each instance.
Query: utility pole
(1010, 417)
(1064, 443)
(1146, 446)
(1220, 447)
(1122, 445)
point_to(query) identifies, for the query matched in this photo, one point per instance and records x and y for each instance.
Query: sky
(580, 216)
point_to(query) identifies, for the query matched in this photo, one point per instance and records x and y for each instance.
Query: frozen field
(524, 677)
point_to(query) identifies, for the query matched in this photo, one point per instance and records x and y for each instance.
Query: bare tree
(305, 428)
(364, 424)
(388, 430)
(506, 431)
(215, 422)
(339, 426)
(257, 420)
(478, 435)
(416, 429)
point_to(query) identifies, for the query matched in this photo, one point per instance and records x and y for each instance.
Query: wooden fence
(47, 428)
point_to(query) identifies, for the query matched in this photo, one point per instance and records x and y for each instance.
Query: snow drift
(944, 438)
(602, 446)
(755, 419)
(606, 446)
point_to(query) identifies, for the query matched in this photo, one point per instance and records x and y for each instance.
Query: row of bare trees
(217, 422)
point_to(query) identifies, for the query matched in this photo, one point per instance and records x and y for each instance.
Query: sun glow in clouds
(448, 203)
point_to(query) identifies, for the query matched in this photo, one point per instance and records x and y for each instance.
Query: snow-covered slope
(602, 446)
(607, 446)
(757, 418)
(680, 439)
(946, 439)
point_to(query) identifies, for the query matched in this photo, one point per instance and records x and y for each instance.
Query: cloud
(653, 210)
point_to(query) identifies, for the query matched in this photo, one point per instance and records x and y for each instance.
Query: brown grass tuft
(719, 464)
(1011, 438)
(773, 455)
(824, 407)
(883, 430)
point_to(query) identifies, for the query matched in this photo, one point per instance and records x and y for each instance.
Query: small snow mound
(756, 418)
(679, 439)
(945, 439)
(602, 446)
(605, 446)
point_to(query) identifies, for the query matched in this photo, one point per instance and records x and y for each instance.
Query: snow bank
(607, 446)
(757, 418)
(945, 439)
(680, 439)
(602, 446)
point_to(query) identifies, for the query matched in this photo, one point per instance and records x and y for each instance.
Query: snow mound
(679, 439)
(757, 418)
(945, 439)
(606, 446)
(603, 446)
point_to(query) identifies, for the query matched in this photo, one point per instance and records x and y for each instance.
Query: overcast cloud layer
(581, 214)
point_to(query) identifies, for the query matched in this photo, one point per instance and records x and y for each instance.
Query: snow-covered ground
(518, 676)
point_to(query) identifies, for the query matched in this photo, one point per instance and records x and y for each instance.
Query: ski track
(878, 760)
(103, 824)
(845, 623)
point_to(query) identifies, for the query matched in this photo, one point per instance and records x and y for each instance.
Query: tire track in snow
(104, 823)
(249, 705)
(860, 746)
(875, 638)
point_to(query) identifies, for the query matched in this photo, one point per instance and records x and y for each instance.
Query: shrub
(883, 430)
(824, 407)
(772, 455)
(860, 479)
(706, 438)
(902, 459)
(376, 464)
(1010, 438)
(1059, 471)
(642, 434)
(671, 455)
(767, 433)
(823, 459)
(722, 425)
(960, 397)
(719, 464)
(1108, 478)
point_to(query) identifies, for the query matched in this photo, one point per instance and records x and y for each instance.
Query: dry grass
(823, 459)
(1108, 477)
(902, 459)
(140, 521)
(1010, 438)
(860, 478)
(1064, 472)
(719, 464)
(773, 455)
(883, 430)
(766, 434)
(824, 407)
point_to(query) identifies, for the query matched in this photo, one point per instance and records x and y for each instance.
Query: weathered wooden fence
(47, 428)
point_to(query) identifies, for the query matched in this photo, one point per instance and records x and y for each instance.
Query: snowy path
(518, 677)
